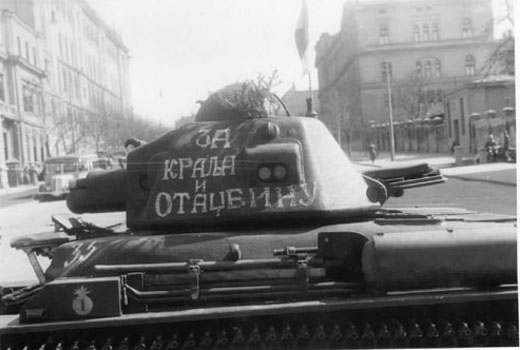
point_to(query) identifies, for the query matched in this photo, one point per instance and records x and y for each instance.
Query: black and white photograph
(244, 174)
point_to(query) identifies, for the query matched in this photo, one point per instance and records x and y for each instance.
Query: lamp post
(509, 114)
(490, 114)
(73, 127)
(390, 109)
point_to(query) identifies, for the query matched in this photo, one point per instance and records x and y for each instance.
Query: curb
(19, 189)
(469, 179)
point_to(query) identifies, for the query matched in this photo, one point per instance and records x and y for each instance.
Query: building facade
(478, 109)
(426, 48)
(63, 74)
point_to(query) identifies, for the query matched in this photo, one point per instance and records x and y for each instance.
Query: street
(21, 215)
(484, 191)
(492, 192)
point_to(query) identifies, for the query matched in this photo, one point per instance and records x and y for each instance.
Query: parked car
(103, 164)
(59, 171)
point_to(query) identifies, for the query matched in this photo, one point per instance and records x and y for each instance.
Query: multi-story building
(23, 135)
(296, 101)
(63, 72)
(427, 47)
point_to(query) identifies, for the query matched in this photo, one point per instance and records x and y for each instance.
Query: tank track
(298, 331)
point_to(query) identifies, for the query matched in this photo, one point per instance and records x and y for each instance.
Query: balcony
(7, 111)
(19, 60)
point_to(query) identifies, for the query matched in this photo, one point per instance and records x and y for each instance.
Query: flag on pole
(301, 35)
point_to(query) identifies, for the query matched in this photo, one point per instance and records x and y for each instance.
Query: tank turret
(234, 172)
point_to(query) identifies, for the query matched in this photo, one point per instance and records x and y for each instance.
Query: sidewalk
(19, 189)
(435, 160)
(445, 162)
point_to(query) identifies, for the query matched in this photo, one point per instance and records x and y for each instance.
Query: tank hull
(249, 292)
(436, 318)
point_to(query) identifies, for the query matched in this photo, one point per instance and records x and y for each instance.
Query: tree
(416, 97)
(69, 129)
(502, 59)
(98, 132)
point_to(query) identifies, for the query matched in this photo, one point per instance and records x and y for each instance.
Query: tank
(245, 230)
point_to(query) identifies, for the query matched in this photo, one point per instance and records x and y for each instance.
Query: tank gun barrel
(400, 178)
(99, 192)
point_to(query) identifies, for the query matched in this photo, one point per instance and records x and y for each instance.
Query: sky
(182, 50)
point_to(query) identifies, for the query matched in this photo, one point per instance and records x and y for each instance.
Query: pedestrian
(33, 174)
(132, 144)
(25, 175)
(491, 147)
(372, 149)
(505, 147)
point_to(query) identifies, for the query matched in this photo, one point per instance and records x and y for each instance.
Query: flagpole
(310, 83)
(301, 36)
(310, 109)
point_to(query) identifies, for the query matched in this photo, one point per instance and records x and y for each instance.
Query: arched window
(384, 34)
(426, 32)
(470, 65)
(386, 66)
(467, 28)
(437, 68)
(435, 31)
(415, 31)
(428, 69)
(418, 68)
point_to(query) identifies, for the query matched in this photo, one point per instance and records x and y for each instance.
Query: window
(42, 152)
(28, 99)
(448, 114)
(28, 143)
(60, 40)
(428, 69)
(73, 53)
(416, 35)
(64, 80)
(384, 34)
(437, 68)
(426, 32)
(66, 48)
(34, 56)
(470, 65)
(19, 43)
(71, 84)
(462, 116)
(386, 67)
(76, 81)
(6, 146)
(35, 151)
(435, 31)
(27, 51)
(2, 88)
(467, 31)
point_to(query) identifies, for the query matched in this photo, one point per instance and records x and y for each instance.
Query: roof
(109, 31)
(296, 101)
(502, 78)
(489, 81)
